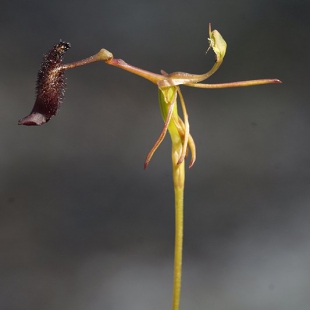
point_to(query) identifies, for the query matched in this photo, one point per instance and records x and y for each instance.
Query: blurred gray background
(82, 226)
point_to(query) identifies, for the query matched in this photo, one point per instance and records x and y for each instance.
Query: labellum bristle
(50, 87)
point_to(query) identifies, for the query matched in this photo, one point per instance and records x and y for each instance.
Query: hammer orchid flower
(51, 76)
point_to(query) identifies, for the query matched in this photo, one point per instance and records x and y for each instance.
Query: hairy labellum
(50, 87)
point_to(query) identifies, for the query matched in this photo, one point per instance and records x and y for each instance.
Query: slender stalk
(120, 63)
(102, 55)
(177, 132)
(178, 181)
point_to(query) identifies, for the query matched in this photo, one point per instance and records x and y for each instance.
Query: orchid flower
(47, 104)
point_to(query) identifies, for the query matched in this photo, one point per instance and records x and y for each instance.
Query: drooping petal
(191, 144)
(168, 107)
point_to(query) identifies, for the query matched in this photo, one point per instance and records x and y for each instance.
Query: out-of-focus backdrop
(82, 226)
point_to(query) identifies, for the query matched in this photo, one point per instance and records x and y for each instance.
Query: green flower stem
(166, 99)
(178, 182)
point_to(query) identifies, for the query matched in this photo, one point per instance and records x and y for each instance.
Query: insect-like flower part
(50, 87)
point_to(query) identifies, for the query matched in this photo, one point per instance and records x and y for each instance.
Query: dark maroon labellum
(50, 88)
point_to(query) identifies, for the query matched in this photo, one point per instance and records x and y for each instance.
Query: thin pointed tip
(180, 161)
(276, 81)
(191, 164)
(145, 165)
